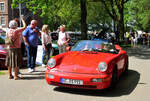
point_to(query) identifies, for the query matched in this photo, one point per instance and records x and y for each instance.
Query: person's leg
(48, 54)
(28, 56)
(60, 49)
(10, 73)
(43, 55)
(16, 73)
(34, 57)
(64, 49)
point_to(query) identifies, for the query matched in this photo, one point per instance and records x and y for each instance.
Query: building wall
(10, 14)
(4, 13)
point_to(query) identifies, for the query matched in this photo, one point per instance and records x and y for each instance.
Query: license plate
(71, 81)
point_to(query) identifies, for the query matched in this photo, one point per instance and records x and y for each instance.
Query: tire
(126, 67)
(114, 78)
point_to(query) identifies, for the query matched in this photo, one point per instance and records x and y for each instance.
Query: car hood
(83, 62)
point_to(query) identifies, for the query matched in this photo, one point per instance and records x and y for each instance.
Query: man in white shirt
(63, 39)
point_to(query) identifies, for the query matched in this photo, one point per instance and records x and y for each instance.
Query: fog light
(96, 80)
(50, 76)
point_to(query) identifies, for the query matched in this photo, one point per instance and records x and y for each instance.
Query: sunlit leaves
(139, 11)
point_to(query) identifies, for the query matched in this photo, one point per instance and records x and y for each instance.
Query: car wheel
(52, 52)
(114, 78)
(126, 67)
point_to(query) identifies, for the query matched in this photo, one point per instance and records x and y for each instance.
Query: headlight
(51, 63)
(102, 66)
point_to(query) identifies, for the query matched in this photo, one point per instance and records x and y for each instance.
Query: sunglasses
(33, 24)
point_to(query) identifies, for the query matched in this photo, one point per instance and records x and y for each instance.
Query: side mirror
(68, 48)
(118, 47)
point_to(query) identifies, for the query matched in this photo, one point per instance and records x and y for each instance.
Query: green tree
(53, 12)
(97, 15)
(115, 9)
(56, 12)
(139, 11)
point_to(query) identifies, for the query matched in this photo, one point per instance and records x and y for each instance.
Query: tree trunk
(120, 22)
(83, 19)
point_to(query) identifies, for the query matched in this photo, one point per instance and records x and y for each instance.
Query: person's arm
(39, 34)
(25, 40)
(37, 30)
(24, 24)
(25, 35)
(43, 41)
(68, 38)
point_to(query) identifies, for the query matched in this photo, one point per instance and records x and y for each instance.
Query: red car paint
(80, 65)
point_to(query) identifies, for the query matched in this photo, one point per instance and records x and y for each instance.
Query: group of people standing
(63, 39)
(30, 36)
(140, 37)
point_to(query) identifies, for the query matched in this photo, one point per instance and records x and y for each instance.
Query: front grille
(74, 86)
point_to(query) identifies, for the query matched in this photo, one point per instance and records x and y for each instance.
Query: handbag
(8, 41)
(48, 45)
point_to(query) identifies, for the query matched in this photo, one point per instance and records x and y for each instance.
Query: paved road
(133, 87)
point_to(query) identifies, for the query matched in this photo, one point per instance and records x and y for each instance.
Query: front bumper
(86, 78)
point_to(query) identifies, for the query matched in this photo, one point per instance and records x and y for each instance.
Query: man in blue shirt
(30, 36)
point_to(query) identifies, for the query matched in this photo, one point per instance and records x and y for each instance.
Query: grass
(2, 73)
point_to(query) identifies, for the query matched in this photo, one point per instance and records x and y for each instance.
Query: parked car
(90, 64)
(2, 36)
(3, 52)
(2, 39)
(55, 50)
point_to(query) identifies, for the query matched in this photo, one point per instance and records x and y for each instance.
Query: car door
(121, 61)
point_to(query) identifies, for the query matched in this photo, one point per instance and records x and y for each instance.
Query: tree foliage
(139, 14)
(115, 8)
(133, 13)
(97, 15)
(54, 12)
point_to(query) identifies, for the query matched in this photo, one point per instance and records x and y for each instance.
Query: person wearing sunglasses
(30, 36)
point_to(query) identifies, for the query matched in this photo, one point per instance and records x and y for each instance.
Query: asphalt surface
(135, 86)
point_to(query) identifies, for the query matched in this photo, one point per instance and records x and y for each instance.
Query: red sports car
(90, 64)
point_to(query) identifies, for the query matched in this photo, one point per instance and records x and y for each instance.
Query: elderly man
(30, 36)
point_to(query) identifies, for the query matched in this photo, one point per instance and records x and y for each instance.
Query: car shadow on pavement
(126, 84)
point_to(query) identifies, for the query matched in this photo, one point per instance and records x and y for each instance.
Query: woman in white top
(134, 39)
(46, 43)
(63, 39)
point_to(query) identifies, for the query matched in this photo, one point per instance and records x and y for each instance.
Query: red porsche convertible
(90, 64)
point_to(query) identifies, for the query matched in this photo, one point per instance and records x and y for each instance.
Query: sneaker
(13, 74)
(33, 70)
(30, 70)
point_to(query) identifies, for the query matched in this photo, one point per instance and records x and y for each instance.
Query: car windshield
(94, 45)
